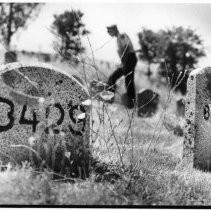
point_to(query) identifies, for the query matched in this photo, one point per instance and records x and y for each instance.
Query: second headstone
(197, 144)
(147, 102)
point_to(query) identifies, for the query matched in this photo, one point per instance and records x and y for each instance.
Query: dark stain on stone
(188, 121)
(189, 142)
(70, 104)
(206, 112)
(59, 82)
(49, 93)
(9, 78)
(192, 77)
(12, 79)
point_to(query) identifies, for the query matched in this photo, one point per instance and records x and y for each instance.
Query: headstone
(180, 104)
(197, 143)
(43, 119)
(147, 102)
(10, 57)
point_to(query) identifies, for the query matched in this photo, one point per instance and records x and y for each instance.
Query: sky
(130, 18)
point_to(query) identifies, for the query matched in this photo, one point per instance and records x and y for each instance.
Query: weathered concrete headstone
(10, 57)
(180, 104)
(197, 138)
(41, 108)
(147, 102)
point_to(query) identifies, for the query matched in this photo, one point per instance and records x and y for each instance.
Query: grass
(157, 183)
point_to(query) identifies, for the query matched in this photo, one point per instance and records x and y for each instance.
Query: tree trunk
(9, 27)
(149, 73)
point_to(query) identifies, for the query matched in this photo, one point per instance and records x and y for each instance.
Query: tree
(69, 28)
(149, 42)
(177, 51)
(15, 16)
(182, 50)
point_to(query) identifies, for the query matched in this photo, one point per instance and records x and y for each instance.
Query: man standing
(128, 60)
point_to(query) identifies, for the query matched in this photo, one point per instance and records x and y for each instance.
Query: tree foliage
(69, 28)
(149, 42)
(15, 16)
(176, 50)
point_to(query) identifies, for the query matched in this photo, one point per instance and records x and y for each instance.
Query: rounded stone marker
(147, 102)
(43, 119)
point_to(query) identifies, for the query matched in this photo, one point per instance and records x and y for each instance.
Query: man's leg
(129, 71)
(129, 82)
(113, 78)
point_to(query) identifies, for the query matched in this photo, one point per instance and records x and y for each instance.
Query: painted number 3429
(34, 122)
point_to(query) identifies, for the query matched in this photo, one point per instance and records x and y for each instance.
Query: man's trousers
(128, 70)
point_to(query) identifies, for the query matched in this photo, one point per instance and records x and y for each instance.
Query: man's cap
(112, 27)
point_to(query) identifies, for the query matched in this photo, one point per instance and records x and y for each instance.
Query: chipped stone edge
(17, 65)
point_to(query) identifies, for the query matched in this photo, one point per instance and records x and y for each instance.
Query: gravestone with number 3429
(43, 119)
